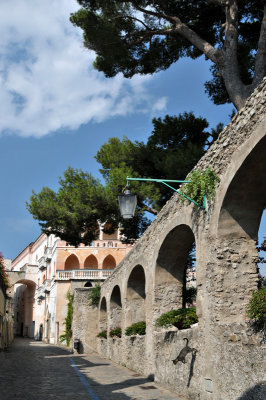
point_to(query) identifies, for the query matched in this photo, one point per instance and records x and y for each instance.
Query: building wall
(40, 294)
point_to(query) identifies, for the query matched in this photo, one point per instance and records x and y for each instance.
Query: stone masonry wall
(229, 363)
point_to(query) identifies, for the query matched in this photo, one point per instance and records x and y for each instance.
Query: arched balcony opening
(91, 262)
(109, 262)
(135, 305)
(72, 262)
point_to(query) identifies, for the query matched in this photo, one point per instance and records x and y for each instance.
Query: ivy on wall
(202, 183)
(95, 295)
(68, 321)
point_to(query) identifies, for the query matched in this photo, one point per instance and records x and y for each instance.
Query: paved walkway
(32, 370)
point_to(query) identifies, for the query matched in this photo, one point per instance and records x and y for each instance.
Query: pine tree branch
(182, 29)
(260, 63)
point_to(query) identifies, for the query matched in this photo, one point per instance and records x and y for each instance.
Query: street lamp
(128, 202)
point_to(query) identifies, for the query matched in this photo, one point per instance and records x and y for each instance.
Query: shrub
(182, 318)
(102, 334)
(116, 332)
(139, 328)
(256, 309)
(95, 295)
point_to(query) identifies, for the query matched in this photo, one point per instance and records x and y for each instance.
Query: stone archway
(237, 231)
(115, 308)
(170, 270)
(135, 304)
(24, 312)
(103, 315)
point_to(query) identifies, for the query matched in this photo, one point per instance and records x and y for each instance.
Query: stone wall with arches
(230, 357)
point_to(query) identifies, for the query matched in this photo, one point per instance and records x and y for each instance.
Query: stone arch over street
(24, 312)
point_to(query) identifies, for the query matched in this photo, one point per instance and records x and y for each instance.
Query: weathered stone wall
(230, 360)
(85, 321)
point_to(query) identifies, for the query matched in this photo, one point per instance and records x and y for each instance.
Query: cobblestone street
(35, 371)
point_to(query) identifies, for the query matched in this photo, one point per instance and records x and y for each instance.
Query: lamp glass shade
(127, 204)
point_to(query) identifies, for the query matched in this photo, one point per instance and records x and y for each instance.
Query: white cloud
(47, 81)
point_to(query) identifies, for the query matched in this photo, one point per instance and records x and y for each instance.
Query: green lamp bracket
(165, 182)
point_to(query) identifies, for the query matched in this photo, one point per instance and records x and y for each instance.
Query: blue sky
(56, 110)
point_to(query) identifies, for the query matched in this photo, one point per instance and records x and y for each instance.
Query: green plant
(201, 183)
(116, 332)
(256, 308)
(102, 334)
(95, 295)
(68, 321)
(182, 318)
(139, 328)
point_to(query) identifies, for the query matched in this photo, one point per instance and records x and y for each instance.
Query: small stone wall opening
(109, 262)
(103, 315)
(170, 270)
(91, 262)
(238, 226)
(72, 262)
(115, 308)
(135, 309)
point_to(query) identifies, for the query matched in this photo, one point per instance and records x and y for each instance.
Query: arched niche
(135, 309)
(91, 262)
(103, 315)
(237, 233)
(109, 262)
(170, 270)
(88, 284)
(72, 262)
(115, 307)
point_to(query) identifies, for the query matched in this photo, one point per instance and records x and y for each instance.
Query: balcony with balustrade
(83, 274)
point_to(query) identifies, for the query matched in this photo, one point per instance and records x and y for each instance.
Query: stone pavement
(32, 370)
